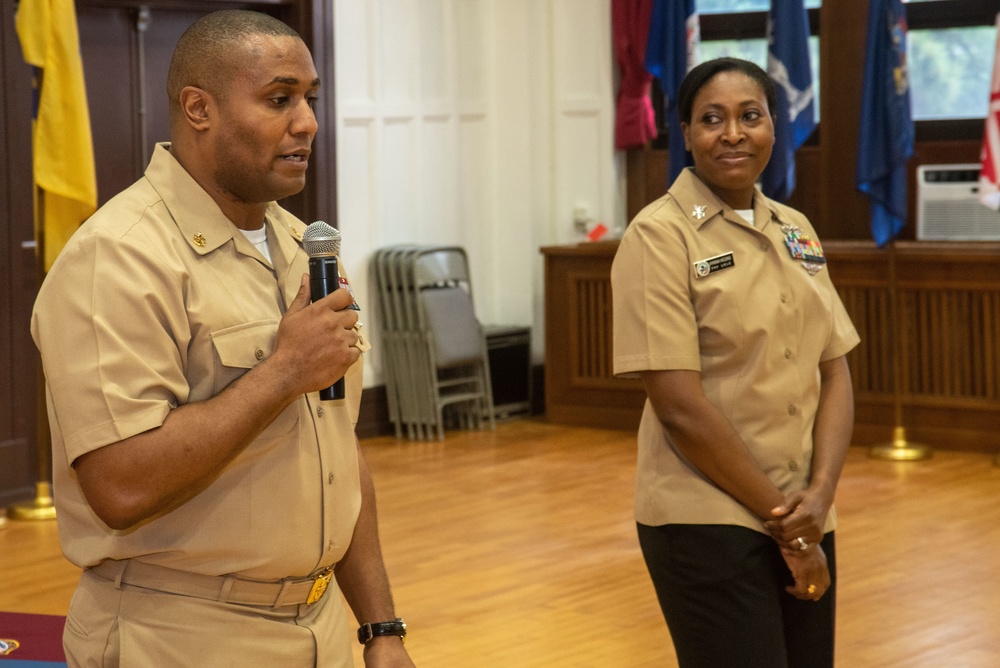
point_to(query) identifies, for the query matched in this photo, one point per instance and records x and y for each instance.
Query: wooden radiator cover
(948, 333)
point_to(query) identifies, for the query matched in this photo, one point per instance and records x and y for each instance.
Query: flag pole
(42, 507)
(61, 143)
(899, 449)
(989, 174)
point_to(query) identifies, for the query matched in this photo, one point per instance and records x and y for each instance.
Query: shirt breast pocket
(240, 348)
(718, 309)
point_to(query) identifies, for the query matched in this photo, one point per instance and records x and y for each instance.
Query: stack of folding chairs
(436, 364)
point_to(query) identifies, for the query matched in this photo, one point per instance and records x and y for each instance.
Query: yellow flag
(63, 150)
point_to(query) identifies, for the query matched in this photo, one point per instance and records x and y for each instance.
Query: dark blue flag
(788, 65)
(673, 40)
(885, 141)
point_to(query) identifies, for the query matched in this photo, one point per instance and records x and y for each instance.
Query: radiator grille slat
(593, 358)
(948, 348)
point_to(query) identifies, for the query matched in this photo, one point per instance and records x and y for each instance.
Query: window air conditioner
(948, 206)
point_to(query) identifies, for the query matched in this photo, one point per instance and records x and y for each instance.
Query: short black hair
(706, 71)
(208, 54)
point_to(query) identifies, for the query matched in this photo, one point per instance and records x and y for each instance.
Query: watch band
(396, 627)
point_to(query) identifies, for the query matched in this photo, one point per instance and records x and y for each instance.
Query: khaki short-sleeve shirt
(696, 287)
(159, 301)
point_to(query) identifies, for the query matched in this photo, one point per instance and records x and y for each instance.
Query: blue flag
(788, 65)
(670, 53)
(885, 141)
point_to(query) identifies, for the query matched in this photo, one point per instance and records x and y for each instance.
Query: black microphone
(322, 243)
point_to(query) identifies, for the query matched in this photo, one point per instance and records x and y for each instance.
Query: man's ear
(195, 106)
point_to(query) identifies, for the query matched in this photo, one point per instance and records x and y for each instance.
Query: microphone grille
(321, 239)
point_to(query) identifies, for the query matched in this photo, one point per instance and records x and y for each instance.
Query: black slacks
(722, 592)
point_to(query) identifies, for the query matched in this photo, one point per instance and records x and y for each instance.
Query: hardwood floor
(517, 549)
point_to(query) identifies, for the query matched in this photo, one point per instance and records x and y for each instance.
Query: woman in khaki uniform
(723, 306)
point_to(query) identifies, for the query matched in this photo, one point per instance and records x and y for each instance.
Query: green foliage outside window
(950, 72)
(950, 68)
(727, 6)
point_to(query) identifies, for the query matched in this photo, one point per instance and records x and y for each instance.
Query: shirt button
(320, 411)
(784, 298)
(764, 246)
(791, 410)
(329, 479)
(793, 465)
(259, 354)
(788, 353)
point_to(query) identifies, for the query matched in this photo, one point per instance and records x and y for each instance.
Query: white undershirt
(747, 214)
(258, 238)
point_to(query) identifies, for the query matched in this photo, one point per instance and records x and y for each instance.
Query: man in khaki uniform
(215, 503)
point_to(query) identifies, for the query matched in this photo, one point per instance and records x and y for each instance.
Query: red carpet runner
(31, 641)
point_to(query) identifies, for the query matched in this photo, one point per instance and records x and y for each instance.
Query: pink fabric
(989, 177)
(635, 123)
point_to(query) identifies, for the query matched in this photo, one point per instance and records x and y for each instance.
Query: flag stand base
(41, 508)
(900, 449)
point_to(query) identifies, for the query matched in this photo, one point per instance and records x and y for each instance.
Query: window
(738, 28)
(755, 50)
(950, 45)
(950, 48)
(950, 72)
(735, 6)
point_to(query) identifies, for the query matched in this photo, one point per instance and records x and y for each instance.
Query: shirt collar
(200, 220)
(700, 204)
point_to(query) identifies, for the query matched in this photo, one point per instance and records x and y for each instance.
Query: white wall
(479, 123)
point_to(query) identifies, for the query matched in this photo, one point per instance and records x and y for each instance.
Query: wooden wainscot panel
(579, 386)
(947, 331)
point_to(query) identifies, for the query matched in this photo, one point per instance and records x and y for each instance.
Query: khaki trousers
(132, 627)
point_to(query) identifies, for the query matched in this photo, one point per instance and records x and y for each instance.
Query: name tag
(703, 268)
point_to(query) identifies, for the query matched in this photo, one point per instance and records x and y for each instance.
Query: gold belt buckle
(320, 583)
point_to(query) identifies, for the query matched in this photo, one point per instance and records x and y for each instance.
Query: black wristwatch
(396, 627)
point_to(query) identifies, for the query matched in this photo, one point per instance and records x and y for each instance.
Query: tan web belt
(225, 588)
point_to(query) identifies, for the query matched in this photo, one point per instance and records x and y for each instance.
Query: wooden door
(18, 271)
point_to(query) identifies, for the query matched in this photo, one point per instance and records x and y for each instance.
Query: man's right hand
(316, 340)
